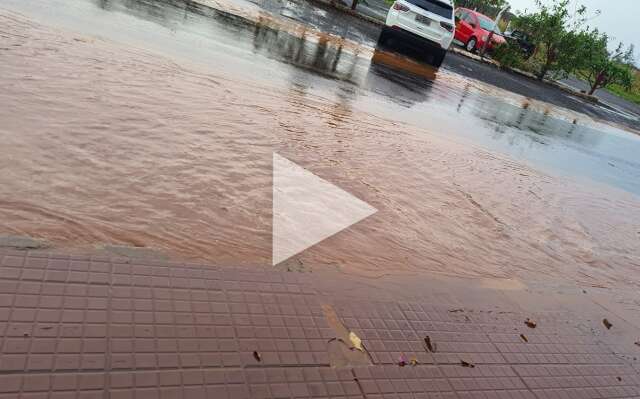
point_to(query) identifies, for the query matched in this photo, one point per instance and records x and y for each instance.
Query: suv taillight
(447, 26)
(400, 7)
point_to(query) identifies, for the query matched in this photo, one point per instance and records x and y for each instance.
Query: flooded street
(152, 124)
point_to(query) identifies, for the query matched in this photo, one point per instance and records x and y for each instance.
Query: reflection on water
(316, 16)
(171, 14)
(318, 53)
(405, 65)
(399, 79)
(463, 97)
(532, 125)
(553, 144)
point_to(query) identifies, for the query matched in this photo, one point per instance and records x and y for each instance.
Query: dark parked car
(522, 40)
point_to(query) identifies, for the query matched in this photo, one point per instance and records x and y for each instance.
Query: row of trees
(566, 45)
(486, 7)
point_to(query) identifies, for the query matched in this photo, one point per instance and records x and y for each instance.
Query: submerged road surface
(152, 124)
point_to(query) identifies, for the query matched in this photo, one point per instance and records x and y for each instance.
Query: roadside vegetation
(630, 94)
(486, 7)
(565, 45)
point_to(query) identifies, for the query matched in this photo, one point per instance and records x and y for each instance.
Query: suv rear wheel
(384, 36)
(438, 57)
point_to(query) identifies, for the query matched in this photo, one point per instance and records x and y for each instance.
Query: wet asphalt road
(605, 96)
(444, 103)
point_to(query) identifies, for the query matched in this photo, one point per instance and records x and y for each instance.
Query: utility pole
(493, 30)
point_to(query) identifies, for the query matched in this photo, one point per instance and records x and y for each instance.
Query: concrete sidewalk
(80, 327)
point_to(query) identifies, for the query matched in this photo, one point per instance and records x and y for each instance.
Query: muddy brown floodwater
(107, 144)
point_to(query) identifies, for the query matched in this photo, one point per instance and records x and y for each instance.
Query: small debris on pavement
(352, 348)
(607, 324)
(356, 341)
(257, 356)
(637, 343)
(402, 361)
(26, 334)
(619, 378)
(428, 344)
(467, 364)
(524, 338)
(456, 310)
(530, 323)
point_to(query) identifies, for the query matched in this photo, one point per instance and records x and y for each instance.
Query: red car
(473, 29)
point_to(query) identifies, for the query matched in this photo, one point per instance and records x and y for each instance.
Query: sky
(618, 18)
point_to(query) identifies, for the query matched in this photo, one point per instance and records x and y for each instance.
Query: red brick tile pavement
(78, 327)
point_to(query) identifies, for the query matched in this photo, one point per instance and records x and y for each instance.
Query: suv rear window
(434, 6)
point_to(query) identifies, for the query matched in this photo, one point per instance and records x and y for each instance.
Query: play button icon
(308, 209)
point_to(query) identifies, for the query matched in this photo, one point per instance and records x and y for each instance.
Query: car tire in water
(384, 37)
(471, 45)
(438, 58)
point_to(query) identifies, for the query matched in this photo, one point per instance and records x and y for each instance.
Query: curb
(570, 90)
(472, 56)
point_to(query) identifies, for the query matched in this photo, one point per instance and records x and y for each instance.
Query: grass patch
(632, 94)
(629, 95)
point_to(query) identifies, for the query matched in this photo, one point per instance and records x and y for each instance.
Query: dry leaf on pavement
(356, 341)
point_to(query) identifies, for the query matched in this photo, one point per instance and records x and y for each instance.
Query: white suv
(430, 21)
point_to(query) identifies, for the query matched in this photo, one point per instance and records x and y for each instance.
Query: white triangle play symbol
(308, 209)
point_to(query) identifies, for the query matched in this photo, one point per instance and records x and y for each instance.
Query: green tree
(487, 7)
(601, 67)
(552, 29)
(509, 56)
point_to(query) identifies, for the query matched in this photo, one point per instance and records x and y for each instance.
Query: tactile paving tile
(390, 380)
(580, 381)
(78, 327)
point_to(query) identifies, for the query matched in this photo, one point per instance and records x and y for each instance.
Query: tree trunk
(544, 70)
(354, 4)
(598, 83)
(541, 74)
(547, 64)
